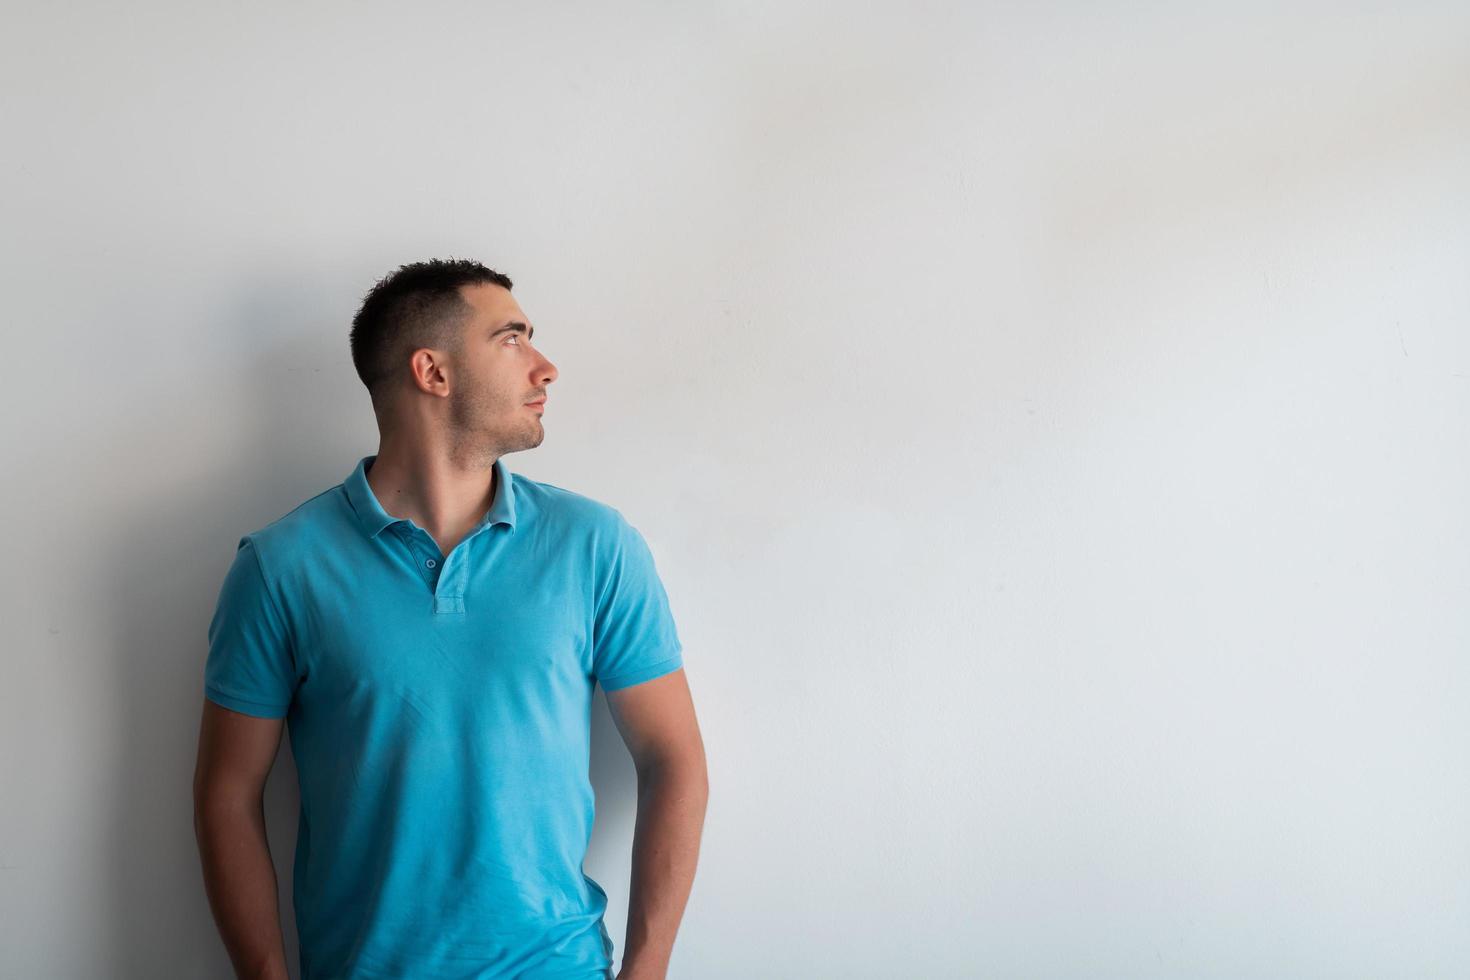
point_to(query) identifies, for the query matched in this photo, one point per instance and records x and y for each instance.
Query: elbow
(216, 803)
(687, 774)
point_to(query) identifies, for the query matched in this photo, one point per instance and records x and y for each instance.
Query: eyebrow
(516, 326)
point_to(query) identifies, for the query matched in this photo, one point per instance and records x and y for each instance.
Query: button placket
(454, 574)
(446, 575)
(424, 553)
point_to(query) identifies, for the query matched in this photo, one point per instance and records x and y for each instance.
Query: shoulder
(567, 511)
(301, 531)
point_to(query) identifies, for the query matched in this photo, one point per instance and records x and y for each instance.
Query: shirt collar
(373, 518)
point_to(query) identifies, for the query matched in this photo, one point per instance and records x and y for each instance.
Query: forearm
(671, 807)
(240, 880)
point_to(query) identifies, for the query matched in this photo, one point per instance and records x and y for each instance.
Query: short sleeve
(251, 666)
(633, 634)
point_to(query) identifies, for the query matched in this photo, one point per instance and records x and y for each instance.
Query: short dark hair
(417, 305)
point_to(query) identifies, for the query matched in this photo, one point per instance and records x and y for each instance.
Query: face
(497, 377)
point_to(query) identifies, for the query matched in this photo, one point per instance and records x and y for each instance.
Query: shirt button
(430, 563)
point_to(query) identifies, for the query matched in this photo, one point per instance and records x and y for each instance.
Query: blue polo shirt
(439, 712)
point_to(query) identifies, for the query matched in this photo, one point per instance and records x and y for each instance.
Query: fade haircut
(417, 305)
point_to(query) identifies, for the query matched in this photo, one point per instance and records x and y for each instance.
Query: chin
(534, 438)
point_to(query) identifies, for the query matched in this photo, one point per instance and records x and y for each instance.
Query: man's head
(443, 343)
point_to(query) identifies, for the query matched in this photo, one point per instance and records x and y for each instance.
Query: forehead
(491, 303)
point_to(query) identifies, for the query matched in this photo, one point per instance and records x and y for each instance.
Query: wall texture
(1049, 420)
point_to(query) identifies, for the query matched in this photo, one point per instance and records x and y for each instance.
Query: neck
(444, 496)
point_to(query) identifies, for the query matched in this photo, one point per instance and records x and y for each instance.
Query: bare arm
(657, 721)
(236, 753)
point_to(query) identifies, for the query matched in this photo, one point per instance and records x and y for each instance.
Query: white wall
(1050, 423)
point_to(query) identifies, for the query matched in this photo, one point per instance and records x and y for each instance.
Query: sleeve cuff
(662, 667)
(245, 706)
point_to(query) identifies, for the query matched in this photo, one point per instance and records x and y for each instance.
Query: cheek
(494, 386)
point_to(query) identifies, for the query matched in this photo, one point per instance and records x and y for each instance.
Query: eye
(515, 337)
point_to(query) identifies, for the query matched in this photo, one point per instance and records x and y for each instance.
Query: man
(432, 628)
